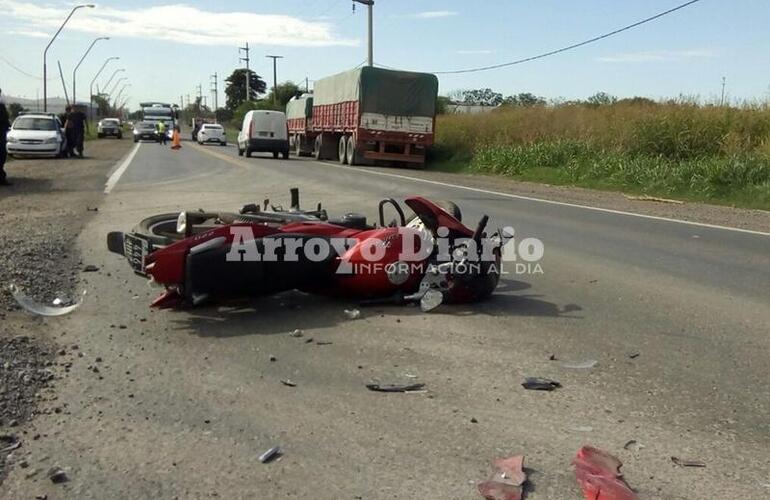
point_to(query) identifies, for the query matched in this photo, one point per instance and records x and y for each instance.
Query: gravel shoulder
(41, 216)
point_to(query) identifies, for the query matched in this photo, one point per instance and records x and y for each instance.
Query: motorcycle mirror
(181, 223)
(431, 300)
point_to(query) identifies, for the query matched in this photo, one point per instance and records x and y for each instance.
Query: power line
(30, 75)
(570, 47)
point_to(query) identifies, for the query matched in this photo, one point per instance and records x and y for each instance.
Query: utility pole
(307, 85)
(248, 71)
(724, 83)
(275, 76)
(64, 85)
(215, 89)
(370, 5)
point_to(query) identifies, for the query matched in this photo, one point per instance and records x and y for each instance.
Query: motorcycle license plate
(136, 249)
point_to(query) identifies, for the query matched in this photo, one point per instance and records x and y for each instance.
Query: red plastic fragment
(598, 474)
(506, 483)
(168, 299)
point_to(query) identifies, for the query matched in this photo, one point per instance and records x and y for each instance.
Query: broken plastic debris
(633, 445)
(395, 388)
(288, 383)
(584, 365)
(598, 474)
(270, 454)
(296, 333)
(41, 309)
(687, 463)
(352, 313)
(507, 481)
(540, 384)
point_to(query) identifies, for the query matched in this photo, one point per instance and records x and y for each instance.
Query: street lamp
(117, 82)
(117, 97)
(45, 53)
(113, 76)
(75, 71)
(91, 100)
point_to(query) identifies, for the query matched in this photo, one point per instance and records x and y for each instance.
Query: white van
(264, 131)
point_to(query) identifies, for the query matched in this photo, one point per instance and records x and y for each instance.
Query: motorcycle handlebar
(480, 230)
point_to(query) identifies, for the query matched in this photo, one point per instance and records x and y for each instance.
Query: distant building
(468, 109)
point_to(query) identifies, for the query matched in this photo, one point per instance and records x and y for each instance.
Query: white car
(37, 135)
(212, 132)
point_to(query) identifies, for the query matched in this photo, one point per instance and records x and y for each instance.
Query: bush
(673, 148)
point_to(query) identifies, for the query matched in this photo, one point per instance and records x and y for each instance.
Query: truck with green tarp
(366, 115)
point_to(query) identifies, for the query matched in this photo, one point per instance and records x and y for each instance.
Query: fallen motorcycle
(199, 256)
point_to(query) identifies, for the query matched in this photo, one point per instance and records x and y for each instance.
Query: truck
(366, 115)
(154, 112)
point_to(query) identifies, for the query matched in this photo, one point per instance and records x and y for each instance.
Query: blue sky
(168, 48)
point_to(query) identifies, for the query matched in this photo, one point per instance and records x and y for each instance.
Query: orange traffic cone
(176, 140)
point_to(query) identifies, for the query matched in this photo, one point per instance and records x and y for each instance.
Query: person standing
(70, 131)
(161, 131)
(5, 124)
(80, 129)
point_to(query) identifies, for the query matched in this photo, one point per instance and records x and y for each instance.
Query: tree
(15, 109)
(601, 99)
(285, 92)
(525, 99)
(482, 97)
(442, 105)
(102, 104)
(236, 87)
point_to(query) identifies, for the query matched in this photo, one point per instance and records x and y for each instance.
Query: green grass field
(678, 150)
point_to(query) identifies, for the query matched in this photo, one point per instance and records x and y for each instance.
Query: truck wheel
(342, 151)
(318, 148)
(298, 145)
(354, 157)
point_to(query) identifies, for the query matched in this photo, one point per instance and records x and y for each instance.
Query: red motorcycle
(432, 258)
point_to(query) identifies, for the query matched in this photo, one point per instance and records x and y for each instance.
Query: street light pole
(275, 76)
(370, 5)
(117, 82)
(113, 76)
(45, 53)
(75, 71)
(91, 88)
(117, 97)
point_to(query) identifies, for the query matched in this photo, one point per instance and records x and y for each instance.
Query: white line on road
(551, 202)
(116, 175)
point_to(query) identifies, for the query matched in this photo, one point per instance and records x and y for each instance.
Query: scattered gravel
(25, 368)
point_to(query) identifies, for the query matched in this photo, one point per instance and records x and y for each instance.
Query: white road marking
(550, 202)
(118, 173)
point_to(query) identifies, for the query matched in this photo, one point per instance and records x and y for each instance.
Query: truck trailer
(365, 115)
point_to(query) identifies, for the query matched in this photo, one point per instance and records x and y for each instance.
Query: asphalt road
(184, 402)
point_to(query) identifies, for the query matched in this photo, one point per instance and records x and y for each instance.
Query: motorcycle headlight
(181, 223)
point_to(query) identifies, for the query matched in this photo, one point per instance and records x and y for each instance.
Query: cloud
(179, 23)
(433, 14)
(30, 33)
(475, 52)
(658, 56)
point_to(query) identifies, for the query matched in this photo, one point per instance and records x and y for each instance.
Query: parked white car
(212, 132)
(109, 127)
(264, 131)
(37, 135)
